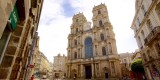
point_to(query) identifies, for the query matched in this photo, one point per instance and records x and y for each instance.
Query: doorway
(106, 75)
(88, 72)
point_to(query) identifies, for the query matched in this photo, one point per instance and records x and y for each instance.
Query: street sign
(14, 18)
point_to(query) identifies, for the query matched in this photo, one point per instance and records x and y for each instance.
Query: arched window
(103, 51)
(102, 37)
(76, 29)
(75, 55)
(69, 54)
(99, 12)
(88, 47)
(110, 48)
(75, 42)
(100, 23)
(107, 31)
(76, 20)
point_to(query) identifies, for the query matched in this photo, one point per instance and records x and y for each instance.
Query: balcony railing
(153, 34)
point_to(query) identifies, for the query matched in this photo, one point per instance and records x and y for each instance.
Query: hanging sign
(14, 18)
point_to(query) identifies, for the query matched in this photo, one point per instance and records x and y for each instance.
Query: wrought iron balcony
(153, 35)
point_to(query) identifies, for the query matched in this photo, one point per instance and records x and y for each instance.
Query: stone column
(110, 70)
(80, 53)
(99, 69)
(95, 66)
(93, 76)
(69, 71)
(81, 70)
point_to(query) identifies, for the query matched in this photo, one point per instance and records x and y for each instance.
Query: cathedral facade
(92, 51)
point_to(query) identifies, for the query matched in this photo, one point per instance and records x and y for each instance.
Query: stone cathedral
(92, 52)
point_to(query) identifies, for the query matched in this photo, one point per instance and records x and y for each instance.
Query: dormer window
(99, 12)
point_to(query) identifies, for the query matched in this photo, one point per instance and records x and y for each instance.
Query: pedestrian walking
(74, 78)
(32, 77)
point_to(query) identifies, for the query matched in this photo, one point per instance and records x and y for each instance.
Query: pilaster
(93, 70)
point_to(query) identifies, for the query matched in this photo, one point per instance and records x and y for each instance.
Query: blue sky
(56, 18)
(68, 9)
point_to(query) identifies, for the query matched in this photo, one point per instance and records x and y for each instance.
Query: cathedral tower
(92, 52)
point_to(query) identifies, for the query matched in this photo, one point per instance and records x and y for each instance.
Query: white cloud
(55, 26)
(53, 29)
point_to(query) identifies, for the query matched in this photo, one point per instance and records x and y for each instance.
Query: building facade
(146, 26)
(19, 21)
(125, 62)
(59, 66)
(42, 66)
(92, 52)
(136, 55)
